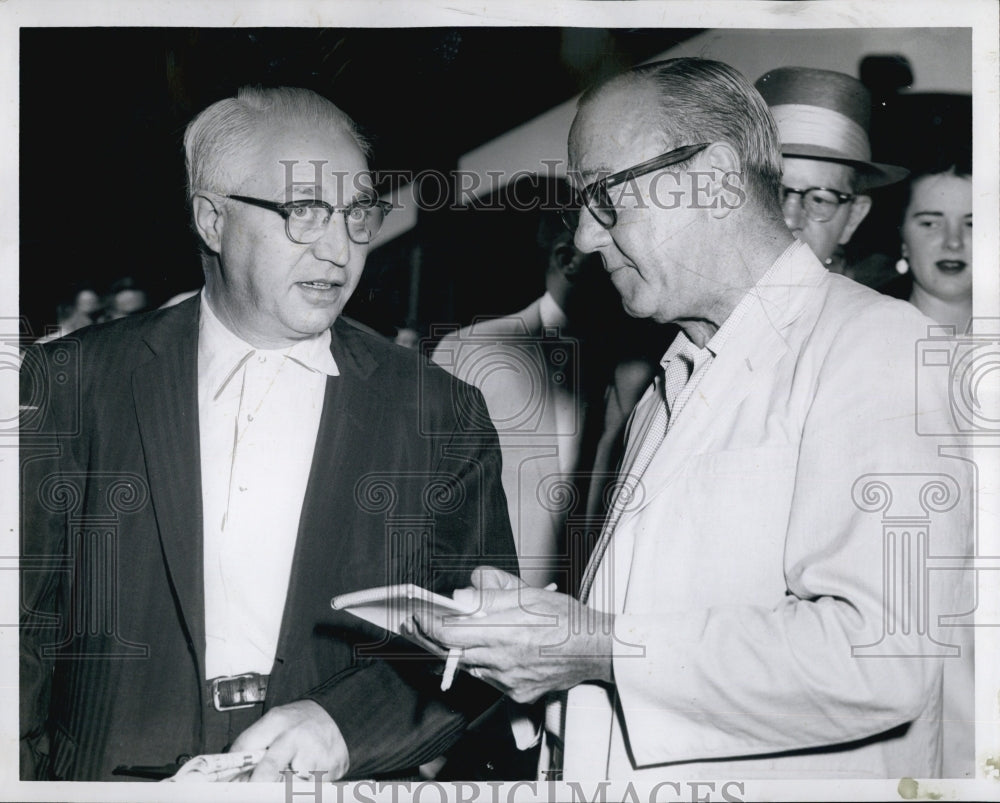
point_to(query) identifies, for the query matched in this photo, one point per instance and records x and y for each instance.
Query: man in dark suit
(198, 482)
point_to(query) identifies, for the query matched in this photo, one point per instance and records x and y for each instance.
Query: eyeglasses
(306, 220)
(595, 195)
(819, 203)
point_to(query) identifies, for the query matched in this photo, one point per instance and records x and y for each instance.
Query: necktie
(676, 376)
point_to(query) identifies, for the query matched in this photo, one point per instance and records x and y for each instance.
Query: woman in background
(936, 230)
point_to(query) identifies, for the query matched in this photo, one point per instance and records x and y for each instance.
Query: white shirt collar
(719, 339)
(221, 352)
(551, 313)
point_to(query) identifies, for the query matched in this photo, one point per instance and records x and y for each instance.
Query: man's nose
(791, 208)
(335, 245)
(590, 235)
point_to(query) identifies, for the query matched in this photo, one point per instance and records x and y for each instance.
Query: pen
(450, 666)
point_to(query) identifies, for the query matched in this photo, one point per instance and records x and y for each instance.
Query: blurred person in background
(126, 296)
(407, 335)
(543, 371)
(546, 373)
(80, 307)
(822, 118)
(935, 266)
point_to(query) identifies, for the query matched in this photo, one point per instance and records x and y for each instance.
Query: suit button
(182, 759)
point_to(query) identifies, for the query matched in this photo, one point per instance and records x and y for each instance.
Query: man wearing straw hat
(822, 119)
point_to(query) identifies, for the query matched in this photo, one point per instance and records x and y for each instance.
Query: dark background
(103, 111)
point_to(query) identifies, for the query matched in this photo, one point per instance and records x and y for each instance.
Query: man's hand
(526, 641)
(300, 736)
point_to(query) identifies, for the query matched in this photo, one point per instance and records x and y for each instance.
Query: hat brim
(870, 174)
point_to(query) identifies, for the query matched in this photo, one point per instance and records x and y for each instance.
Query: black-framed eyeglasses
(306, 220)
(820, 204)
(595, 195)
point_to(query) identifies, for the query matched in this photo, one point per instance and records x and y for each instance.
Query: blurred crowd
(86, 303)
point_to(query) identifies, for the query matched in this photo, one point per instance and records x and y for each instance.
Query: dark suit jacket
(404, 487)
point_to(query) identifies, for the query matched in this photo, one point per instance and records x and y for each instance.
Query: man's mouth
(950, 265)
(318, 285)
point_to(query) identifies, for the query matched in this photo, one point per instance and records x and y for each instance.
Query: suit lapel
(753, 348)
(352, 412)
(165, 390)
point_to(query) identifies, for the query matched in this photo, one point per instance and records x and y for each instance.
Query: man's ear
(208, 220)
(717, 191)
(562, 260)
(860, 207)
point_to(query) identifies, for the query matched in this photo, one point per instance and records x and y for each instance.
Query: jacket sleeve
(838, 658)
(392, 712)
(48, 382)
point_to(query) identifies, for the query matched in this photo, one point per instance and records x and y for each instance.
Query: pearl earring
(902, 266)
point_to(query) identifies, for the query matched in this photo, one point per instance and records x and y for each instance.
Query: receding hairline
(645, 122)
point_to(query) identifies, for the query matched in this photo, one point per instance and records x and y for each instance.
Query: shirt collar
(221, 352)
(551, 313)
(716, 343)
(753, 296)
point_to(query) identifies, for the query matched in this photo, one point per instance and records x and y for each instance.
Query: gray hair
(708, 101)
(222, 136)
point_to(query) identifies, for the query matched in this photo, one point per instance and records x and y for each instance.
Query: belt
(238, 691)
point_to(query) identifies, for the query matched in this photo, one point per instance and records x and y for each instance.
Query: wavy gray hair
(222, 136)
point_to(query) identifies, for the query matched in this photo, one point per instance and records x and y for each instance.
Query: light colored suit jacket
(528, 374)
(762, 556)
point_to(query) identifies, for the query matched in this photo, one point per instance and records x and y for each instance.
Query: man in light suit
(747, 612)
(198, 482)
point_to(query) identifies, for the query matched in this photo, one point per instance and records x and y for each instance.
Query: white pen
(455, 655)
(450, 667)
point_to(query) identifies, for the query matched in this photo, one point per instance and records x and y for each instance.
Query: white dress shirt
(259, 413)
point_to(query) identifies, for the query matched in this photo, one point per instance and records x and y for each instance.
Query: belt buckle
(247, 693)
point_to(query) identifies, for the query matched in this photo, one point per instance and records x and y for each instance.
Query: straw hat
(824, 115)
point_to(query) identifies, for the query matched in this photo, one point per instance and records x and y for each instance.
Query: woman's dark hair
(957, 161)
